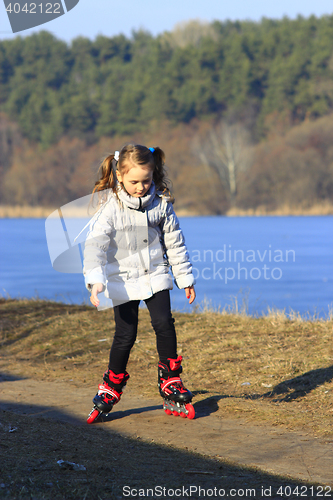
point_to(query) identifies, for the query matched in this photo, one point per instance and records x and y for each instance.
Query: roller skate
(108, 394)
(176, 398)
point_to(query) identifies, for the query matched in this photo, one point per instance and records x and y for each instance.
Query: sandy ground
(270, 449)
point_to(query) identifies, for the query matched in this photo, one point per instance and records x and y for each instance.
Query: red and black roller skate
(176, 398)
(108, 395)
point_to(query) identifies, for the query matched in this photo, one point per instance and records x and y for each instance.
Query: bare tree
(227, 151)
(189, 33)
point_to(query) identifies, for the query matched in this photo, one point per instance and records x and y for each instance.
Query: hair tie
(151, 149)
(116, 156)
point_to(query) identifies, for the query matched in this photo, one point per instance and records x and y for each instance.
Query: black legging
(126, 319)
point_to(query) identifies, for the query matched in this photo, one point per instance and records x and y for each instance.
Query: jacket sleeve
(95, 249)
(176, 251)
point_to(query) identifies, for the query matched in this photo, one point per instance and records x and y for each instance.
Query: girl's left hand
(190, 293)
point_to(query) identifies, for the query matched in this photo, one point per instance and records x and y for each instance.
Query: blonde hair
(134, 155)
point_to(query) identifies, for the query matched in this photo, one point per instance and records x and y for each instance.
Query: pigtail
(160, 177)
(107, 180)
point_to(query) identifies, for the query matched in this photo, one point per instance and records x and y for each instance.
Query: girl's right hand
(96, 289)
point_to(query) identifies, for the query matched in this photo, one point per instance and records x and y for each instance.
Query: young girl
(133, 240)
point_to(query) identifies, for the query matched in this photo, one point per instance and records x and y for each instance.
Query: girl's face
(136, 181)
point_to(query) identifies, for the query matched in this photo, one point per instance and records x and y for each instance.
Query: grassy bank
(28, 212)
(270, 369)
(285, 210)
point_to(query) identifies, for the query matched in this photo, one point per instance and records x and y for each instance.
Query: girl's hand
(96, 289)
(190, 293)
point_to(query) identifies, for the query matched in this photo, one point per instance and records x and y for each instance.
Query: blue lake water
(256, 262)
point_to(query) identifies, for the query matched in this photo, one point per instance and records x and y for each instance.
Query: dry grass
(325, 208)
(28, 212)
(271, 369)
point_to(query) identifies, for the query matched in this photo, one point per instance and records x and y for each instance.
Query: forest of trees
(243, 110)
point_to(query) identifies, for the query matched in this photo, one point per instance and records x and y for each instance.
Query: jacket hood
(136, 203)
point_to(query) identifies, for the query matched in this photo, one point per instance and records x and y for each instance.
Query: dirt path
(272, 450)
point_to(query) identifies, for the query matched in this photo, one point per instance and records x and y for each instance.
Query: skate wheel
(167, 411)
(94, 414)
(183, 415)
(190, 410)
(175, 413)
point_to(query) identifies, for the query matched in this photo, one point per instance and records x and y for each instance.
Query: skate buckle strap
(170, 381)
(175, 363)
(117, 378)
(102, 389)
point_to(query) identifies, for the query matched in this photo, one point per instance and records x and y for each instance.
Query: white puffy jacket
(131, 244)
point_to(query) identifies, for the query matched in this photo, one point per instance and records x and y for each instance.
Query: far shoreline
(29, 212)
